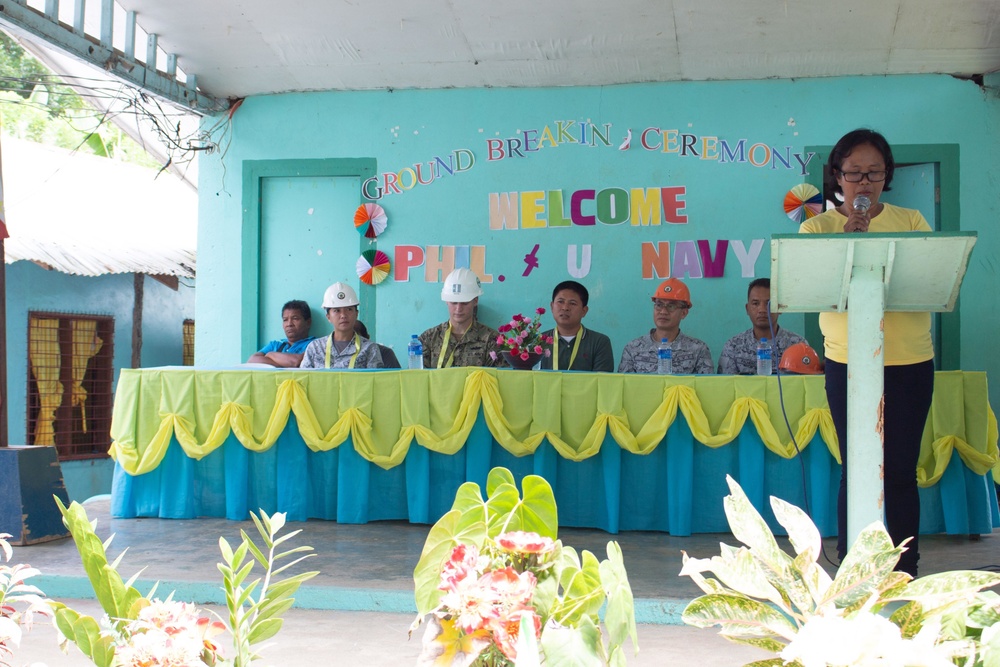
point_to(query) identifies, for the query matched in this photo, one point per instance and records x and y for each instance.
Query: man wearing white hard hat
(343, 349)
(462, 340)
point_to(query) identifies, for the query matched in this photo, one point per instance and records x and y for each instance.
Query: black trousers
(908, 392)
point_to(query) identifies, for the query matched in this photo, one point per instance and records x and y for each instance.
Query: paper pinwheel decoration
(803, 202)
(373, 267)
(370, 220)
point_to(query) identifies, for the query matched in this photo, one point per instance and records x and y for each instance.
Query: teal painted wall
(31, 288)
(723, 199)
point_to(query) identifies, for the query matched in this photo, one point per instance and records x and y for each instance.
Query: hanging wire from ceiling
(165, 121)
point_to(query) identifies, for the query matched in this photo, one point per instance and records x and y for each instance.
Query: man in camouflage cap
(462, 340)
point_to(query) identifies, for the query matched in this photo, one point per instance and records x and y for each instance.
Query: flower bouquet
(498, 589)
(520, 342)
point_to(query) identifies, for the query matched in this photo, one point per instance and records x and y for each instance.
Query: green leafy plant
(252, 621)
(496, 585)
(866, 615)
(141, 630)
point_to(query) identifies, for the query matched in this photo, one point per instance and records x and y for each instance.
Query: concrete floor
(360, 607)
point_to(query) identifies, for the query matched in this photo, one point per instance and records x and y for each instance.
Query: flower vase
(516, 362)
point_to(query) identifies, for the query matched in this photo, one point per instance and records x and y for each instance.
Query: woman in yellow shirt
(861, 166)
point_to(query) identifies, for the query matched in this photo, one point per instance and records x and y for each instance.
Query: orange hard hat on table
(673, 290)
(801, 359)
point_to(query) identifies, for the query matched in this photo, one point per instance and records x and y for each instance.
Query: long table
(622, 452)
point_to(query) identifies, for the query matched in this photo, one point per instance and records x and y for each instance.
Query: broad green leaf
(772, 662)
(749, 527)
(539, 513)
(469, 499)
(802, 532)
(535, 512)
(953, 625)
(708, 586)
(583, 593)
(227, 552)
(991, 646)
(739, 571)
(935, 589)
(769, 644)
(909, 619)
(546, 591)
(501, 508)
(263, 629)
(442, 538)
(572, 647)
(813, 577)
(65, 618)
(866, 565)
(619, 616)
(739, 616)
(498, 476)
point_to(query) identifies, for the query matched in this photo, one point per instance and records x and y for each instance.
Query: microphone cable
(791, 433)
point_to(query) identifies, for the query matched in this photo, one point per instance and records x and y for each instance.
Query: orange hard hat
(801, 359)
(673, 290)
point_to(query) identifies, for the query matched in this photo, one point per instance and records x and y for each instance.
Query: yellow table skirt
(384, 412)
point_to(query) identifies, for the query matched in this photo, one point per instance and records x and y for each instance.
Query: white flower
(863, 640)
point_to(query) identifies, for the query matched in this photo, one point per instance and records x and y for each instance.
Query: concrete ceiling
(248, 47)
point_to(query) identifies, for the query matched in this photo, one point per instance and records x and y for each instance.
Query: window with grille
(70, 372)
(188, 343)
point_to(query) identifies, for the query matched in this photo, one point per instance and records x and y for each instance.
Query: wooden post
(137, 297)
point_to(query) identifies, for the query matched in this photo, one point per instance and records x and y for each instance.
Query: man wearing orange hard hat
(671, 303)
(801, 359)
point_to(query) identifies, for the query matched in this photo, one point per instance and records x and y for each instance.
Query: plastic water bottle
(764, 357)
(664, 358)
(415, 349)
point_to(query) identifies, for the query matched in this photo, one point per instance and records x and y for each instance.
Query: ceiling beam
(29, 22)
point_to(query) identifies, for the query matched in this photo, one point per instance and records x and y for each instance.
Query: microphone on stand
(861, 204)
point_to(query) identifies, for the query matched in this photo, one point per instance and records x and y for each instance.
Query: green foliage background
(35, 106)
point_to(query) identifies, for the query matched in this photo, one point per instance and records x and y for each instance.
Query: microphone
(862, 203)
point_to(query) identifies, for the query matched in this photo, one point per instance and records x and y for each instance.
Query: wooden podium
(867, 275)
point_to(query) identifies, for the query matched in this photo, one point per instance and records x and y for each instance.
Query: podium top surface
(921, 271)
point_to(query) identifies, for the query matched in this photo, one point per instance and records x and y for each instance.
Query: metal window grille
(70, 376)
(188, 342)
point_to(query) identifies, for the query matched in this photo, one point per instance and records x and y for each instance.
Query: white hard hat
(461, 286)
(339, 295)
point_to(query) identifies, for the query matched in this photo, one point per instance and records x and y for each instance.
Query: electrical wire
(791, 433)
(164, 122)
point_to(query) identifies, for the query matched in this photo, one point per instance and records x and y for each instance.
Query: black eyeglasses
(856, 176)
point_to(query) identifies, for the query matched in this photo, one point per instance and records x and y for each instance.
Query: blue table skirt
(677, 489)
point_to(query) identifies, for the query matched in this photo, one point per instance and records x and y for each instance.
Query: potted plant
(866, 616)
(495, 585)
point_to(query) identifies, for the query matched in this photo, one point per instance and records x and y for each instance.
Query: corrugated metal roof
(88, 215)
(90, 261)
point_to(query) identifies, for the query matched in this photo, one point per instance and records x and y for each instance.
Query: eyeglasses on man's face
(857, 176)
(669, 306)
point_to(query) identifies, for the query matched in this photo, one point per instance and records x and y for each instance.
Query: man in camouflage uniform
(462, 340)
(671, 303)
(739, 354)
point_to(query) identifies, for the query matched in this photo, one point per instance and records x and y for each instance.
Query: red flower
(518, 541)
(540, 310)
(518, 317)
